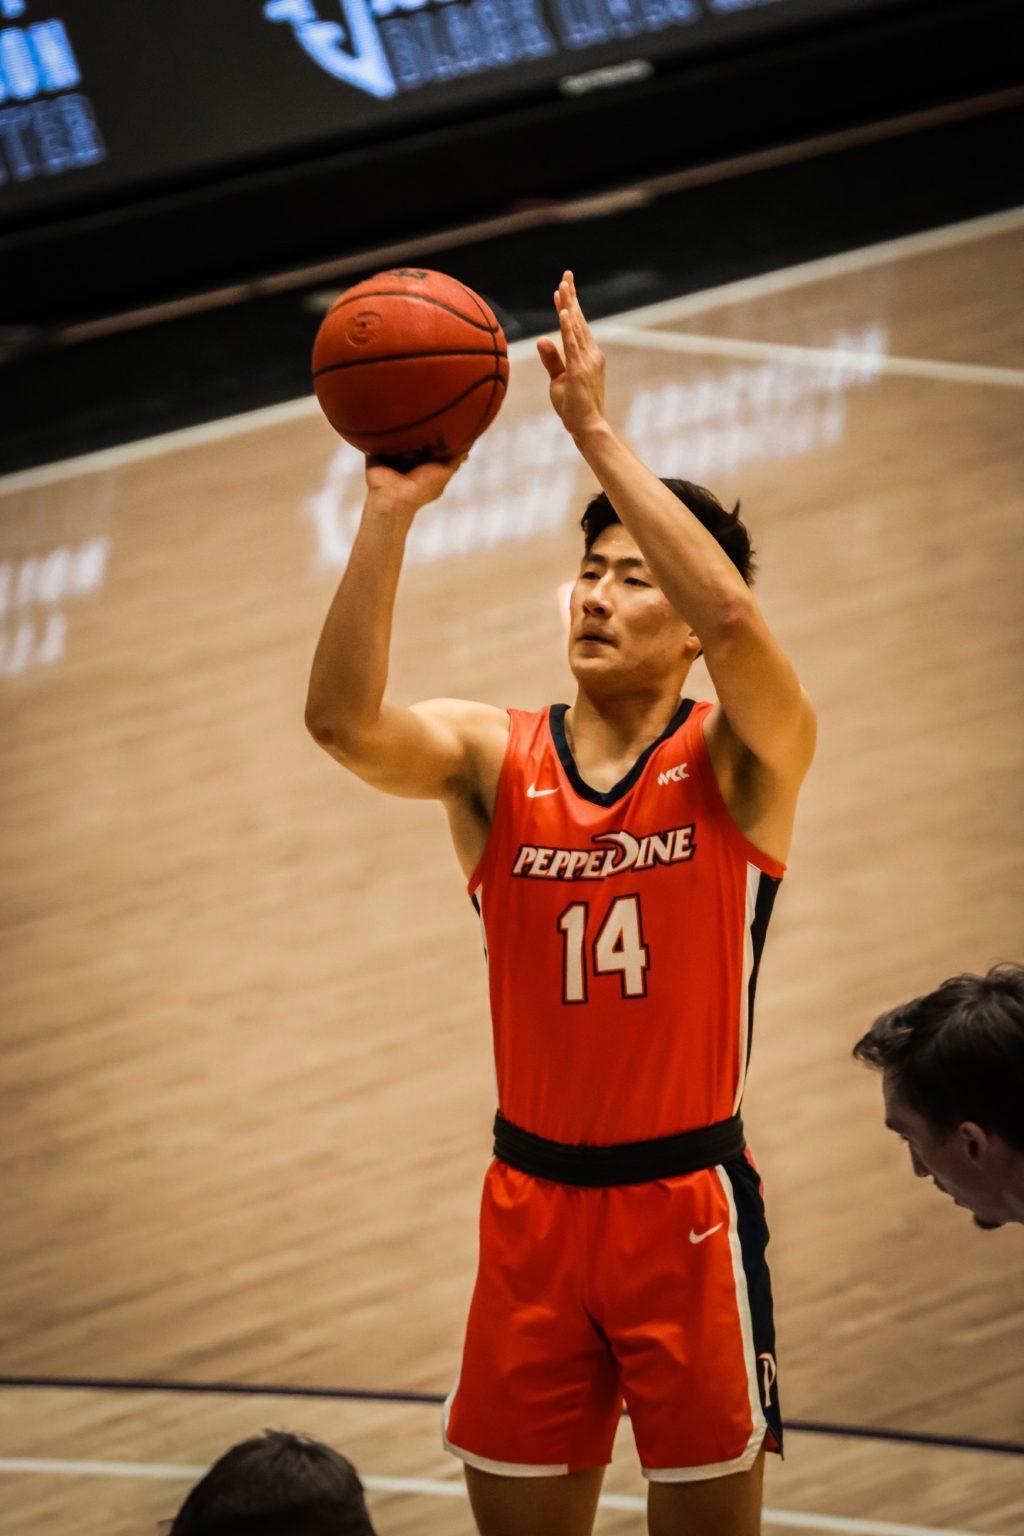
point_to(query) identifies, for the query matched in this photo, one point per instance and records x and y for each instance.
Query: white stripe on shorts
(745, 1460)
(753, 887)
(484, 1463)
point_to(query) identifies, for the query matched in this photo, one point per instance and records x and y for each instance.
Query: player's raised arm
(423, 752)
(758, 689)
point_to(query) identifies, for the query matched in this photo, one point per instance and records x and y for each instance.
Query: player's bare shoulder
(469, 799)
(482, 729)
(761, 797)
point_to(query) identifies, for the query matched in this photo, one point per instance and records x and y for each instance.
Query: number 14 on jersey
(618, 946)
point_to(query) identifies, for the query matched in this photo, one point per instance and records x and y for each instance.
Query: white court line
(164, 442)
(816, 357)
(61, 1468)
(857, 260)
(436, 1487)
(651, 314)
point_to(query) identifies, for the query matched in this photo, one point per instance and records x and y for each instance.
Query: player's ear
(973, 1140)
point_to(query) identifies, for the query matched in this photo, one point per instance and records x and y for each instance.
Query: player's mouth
(596, 636)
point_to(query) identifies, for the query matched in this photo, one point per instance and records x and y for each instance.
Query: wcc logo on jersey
(614, 854)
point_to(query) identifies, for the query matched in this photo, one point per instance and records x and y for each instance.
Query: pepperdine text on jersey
(616, 852)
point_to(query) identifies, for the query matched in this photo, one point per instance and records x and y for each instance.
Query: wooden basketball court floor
(246, 1079)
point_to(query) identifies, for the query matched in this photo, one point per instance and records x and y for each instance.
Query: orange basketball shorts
(655, 1294)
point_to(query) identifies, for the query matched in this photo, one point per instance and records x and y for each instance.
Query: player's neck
(617, 728)
(1015, 1193)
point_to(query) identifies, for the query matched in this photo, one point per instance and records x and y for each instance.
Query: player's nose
(595, 601)
(921, 1171)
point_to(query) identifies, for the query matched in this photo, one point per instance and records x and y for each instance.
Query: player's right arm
(429, 751)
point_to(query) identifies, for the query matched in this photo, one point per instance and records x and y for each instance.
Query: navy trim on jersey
(556, 724)
(767, 890)
(753, 1234)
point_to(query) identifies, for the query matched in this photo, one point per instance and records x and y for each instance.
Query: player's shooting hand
(577, 372)
(406, 492)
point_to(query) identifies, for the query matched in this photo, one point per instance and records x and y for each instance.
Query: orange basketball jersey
(623, 933)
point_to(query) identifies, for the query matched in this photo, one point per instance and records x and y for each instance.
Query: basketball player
(624, 854)
(952, 1066)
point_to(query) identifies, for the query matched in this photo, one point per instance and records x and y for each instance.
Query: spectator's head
(953, 1081)
(276, 1484)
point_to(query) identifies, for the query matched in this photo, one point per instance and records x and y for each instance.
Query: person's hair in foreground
(726, 527)
(957, 1054)
(276, 1484)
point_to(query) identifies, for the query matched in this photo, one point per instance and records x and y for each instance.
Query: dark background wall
(182, 277)
(228, 151)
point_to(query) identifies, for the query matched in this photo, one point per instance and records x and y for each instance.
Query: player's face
(621, 625)
(957, 1162)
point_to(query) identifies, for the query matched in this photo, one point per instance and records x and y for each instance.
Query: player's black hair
(726, 527)
(276, 1484)
(957, 1053)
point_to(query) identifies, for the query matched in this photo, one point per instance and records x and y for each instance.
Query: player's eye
(634, 581)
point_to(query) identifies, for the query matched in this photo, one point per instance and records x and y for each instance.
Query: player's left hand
(577, 378)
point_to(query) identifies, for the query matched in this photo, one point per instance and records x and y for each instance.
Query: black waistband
(627, 1162)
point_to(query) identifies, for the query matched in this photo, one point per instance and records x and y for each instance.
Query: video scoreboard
(113, 96)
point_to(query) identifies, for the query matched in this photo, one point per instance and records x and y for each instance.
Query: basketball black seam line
(421, 298)
(483, 415)
(478, 301)
(487, 378)
(497, 377)
(490, 401)
(409, 357)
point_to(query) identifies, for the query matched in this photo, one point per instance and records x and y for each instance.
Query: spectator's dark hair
(725, 526)
(957, 1053)
(276, 1484)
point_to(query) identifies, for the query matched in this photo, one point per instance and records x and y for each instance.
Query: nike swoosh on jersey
(698, 1237)
(533, 793)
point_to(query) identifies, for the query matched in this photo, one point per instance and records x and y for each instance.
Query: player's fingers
(550, 357)
(561, 305)
(432, 477)
(576, 337)
(581, 329)
(569, 341)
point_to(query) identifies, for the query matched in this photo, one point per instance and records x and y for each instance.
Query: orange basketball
(410, 365)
